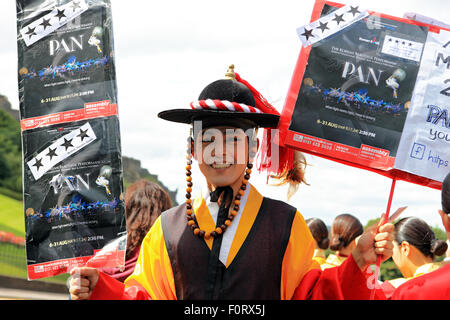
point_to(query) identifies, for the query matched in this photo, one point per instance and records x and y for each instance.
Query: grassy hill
(10, 154)
(11, 216)
(12, 257)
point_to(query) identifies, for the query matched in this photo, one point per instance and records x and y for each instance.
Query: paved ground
(22, 289)
(15, 294)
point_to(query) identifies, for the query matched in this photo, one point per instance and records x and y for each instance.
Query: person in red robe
(345, 230)
(230, 242)
(144, 202)
(434, 285)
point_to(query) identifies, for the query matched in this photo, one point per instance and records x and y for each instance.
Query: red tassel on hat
(285, 155)
(291, 165)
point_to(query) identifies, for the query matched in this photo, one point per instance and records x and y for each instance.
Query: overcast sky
(167, 51)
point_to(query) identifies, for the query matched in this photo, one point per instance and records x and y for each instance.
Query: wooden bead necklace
(218, 231)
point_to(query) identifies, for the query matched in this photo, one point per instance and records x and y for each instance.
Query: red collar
(342, 255)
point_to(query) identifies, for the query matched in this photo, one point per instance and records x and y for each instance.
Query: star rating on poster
(330, 24)
(338, 18)
(403, 48)
(60, 15)
(307, 34)
(323, 26)
(51, 153)
(75, 5)
(402, 42)
(45, 23)
(67, 143)
(354, 10)
(52, 21)
(83, 134)
(30, 32)
(61, 149)
(38, 164)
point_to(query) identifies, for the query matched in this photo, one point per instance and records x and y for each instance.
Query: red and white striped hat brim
(224, 105)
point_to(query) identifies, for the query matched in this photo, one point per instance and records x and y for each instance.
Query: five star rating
(64, 147)
(330, 24)
(58, 17)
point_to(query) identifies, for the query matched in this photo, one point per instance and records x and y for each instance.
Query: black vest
(254, 273)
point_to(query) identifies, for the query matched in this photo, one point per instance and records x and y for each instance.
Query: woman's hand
(82, 283)
(376, 240)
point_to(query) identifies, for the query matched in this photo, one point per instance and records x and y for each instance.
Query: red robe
(431, 286)
(300, 278)
(122, 275)
(343, 282)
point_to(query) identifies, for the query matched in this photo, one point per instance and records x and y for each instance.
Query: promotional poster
(65, 56)
(73, 192)
(425, 144)
(72, 163)
(357, 87)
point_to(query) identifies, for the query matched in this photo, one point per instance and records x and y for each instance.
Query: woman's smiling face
(222, 154)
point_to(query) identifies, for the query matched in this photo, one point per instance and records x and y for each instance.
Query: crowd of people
(416, 249)
(415, 252)
(232, 243)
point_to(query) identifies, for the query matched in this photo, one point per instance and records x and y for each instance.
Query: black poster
(72, 177)
(74, 207)
(357, 88)
(70, 66)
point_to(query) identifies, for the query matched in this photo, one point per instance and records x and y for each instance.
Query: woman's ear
(253, 150)
(405, 248)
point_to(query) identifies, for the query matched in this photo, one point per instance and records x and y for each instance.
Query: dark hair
(419, 234)
(294, 175)
(319, 232)
(445, 194)
(144, 203)
(344, 230)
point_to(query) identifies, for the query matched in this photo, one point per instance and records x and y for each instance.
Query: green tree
(439, 233)
(371, 222)
(4, 169)
(389, 271)
(10, 153)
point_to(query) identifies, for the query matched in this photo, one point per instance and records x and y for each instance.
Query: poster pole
(385, 219)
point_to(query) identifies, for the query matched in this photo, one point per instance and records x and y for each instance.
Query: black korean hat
(227, 101)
